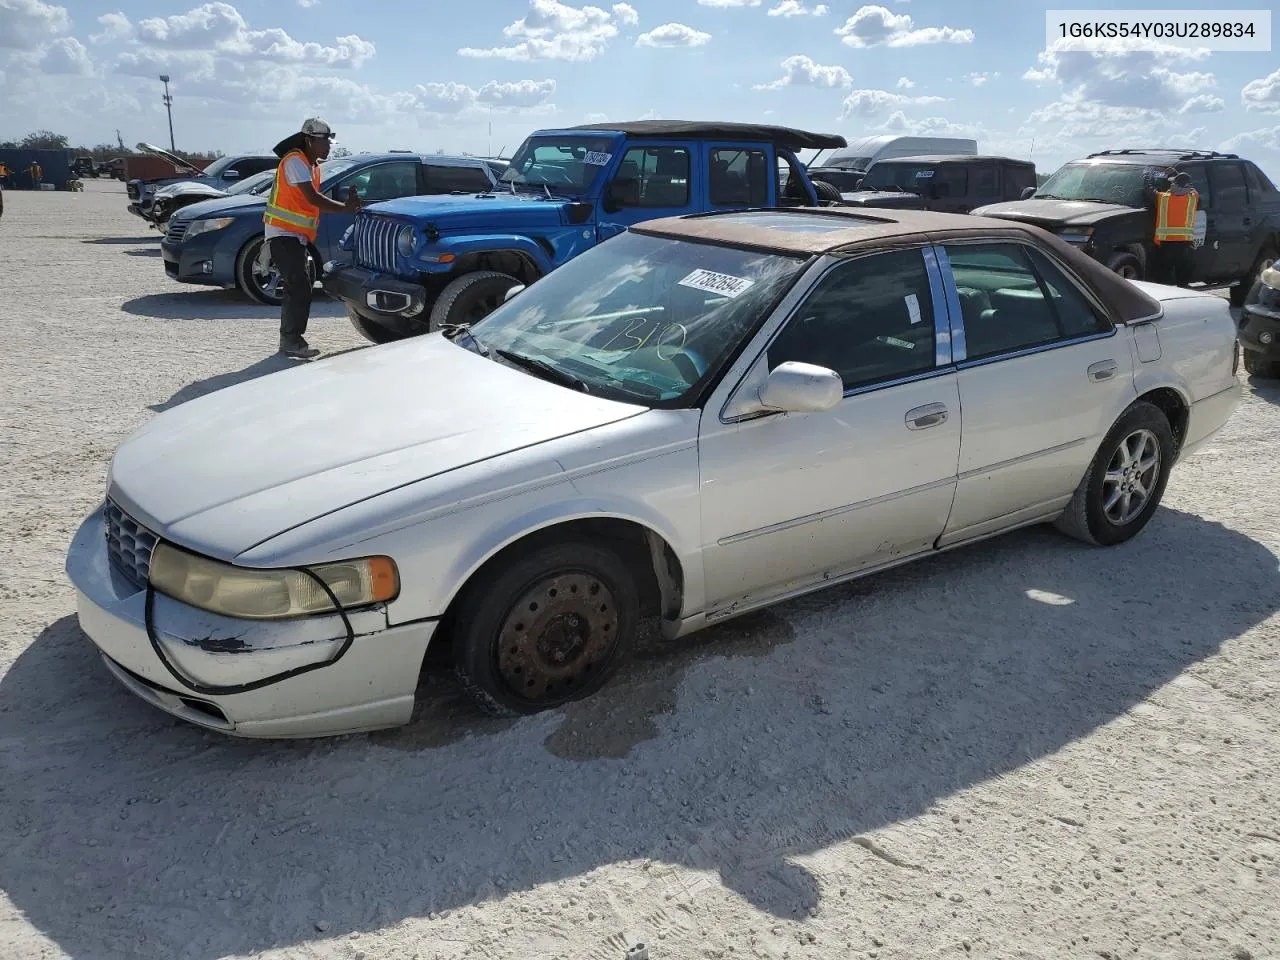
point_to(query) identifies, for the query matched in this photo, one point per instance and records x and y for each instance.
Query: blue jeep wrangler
(421, 263)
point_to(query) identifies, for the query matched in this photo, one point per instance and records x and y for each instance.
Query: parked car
(696, 418)
(218, 242)
(1260, 325)
(168, 200)
(845, 167)
(85, 167)
(222, 173)
(948, 184)
(418, 264)
(1101, 204)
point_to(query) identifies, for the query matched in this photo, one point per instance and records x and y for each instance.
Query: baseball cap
(315, 127)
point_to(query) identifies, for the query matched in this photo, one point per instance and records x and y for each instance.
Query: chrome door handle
(930, 415)
(1103, 370)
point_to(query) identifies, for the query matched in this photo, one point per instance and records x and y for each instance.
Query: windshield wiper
(1101, 200)
(1046, 196)
(549, 372)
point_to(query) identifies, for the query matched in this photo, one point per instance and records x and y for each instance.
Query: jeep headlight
(345, 242)
(255, 594)
(208, 226)
(404, 242)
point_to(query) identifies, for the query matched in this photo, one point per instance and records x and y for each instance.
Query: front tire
(1255, 365)
(371, 330)
(546, 627)
(1122, 488)
(469, 298)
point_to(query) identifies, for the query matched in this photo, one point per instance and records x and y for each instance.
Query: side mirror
(512, 292)
(795, 387)
(1028, 193)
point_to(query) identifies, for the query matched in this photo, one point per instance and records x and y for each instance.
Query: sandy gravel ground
(1027, 749)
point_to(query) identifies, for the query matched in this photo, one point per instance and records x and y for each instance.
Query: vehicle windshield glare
(641, 319)
(912, 177)
(252, 184)
(1120, 183)
(215, 169)
(566, 164)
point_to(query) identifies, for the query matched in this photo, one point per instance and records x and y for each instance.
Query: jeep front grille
(129, 545)
(375, 243)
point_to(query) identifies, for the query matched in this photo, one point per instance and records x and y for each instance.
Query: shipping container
(55, 167)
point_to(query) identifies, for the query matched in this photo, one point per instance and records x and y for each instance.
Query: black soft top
(788, 137)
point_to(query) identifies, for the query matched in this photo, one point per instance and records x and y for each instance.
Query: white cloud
(872, 26)
(794, 8)
(596, 118)
(729, 3)
(67, 56)
(25, 24)
(1204, 103)
(899, 123)
(1138, 79)
(981, 79)
(519, 94)
(115, 26)
(905, 83)
(557, 31)
(673, 35)
(1267, 138)
(1262, 94)
(307, 4)
(869, 103)
(800, 71)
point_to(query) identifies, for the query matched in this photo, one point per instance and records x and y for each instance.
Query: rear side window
(1017, 178)
(986, 182)
(446, 179)
(1259, 185)
(950, 180)
(739, 177)
(1200, 180)
(1077, 316)
(1228, 186)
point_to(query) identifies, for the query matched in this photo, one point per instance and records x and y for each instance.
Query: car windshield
(913, 177)
(1121, 183)
(215, 169)
(330, 170)
(639, 319)
(254, 184)
(562, 164)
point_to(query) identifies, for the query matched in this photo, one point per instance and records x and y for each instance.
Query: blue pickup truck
(416, 264)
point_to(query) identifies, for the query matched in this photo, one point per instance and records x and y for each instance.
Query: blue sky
(434, 75)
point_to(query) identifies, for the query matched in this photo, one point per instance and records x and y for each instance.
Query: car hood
(177, 161)
(872, 198)
(1064, 212)
(223, 206)
(476, 209)
(190, 188)
(232, 469)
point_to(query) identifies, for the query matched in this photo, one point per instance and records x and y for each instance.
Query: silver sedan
(695, 419)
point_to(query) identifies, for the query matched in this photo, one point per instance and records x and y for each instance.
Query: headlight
(208, 226)
(1270, 277)
(1076, 234)
(345, 242)
(252, 594)
(404, 242)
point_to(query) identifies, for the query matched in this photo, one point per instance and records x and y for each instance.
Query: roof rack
(1181, 154)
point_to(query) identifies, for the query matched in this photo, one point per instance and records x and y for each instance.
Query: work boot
(297, 347)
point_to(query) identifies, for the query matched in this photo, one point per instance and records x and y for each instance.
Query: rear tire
(545, 627)
(371, 330)
(827, 191)
(1100, 513)
(1256, 366)
(471, 297)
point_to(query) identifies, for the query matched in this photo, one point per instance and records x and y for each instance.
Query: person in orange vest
(291, 221)
(1175, 231)
(37, 174)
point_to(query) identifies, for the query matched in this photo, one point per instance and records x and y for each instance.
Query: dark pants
(1174, 262)
(290, 258)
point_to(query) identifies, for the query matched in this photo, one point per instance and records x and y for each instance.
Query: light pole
(168, 105)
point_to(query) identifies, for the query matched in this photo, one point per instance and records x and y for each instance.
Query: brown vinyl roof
(818, 230)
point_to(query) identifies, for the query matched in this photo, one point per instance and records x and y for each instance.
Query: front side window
(639, 318)
(870, 320)
(1008, 306)
(565, 164)
(385, 181)
(652, 177)
(739, 177)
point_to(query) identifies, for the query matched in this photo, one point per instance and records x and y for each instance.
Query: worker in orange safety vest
(292, 220)
(1175, 231)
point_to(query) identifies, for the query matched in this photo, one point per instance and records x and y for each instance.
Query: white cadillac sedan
(696, 418)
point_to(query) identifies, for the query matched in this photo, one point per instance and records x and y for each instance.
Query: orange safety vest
(1176, 217)
(288, 207)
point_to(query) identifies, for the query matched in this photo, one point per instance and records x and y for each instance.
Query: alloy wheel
(1131, 477)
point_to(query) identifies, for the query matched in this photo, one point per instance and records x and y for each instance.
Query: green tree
(44, 140)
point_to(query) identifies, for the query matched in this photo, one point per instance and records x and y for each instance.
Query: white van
(862, 152)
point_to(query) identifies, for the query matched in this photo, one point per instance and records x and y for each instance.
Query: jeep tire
(827, 192)
(470, 297)
(371, 330)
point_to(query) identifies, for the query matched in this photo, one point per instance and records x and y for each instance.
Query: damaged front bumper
(370, 687)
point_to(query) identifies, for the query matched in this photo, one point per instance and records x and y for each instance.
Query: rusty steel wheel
(545, 627)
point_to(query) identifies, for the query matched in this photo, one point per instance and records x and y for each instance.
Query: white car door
(1042, 374)
(790, 500)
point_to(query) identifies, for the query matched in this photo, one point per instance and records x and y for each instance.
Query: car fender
(468, 245)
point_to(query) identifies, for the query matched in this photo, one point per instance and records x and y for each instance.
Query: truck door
(1228, 234)
(738, 176)
(652, 180)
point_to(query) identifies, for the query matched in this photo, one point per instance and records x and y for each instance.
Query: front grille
(129, 545)
(177, 230)
(132, 188)
(375, 243)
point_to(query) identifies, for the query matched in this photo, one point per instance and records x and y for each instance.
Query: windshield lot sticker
(598, 159)
(921, 174)
(913, 308)
(1201, 229)
(720, 283)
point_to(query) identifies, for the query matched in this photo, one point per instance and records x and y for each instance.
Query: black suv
(950, 184)
(1103, 204)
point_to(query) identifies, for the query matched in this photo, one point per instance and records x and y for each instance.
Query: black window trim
(959, 345)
